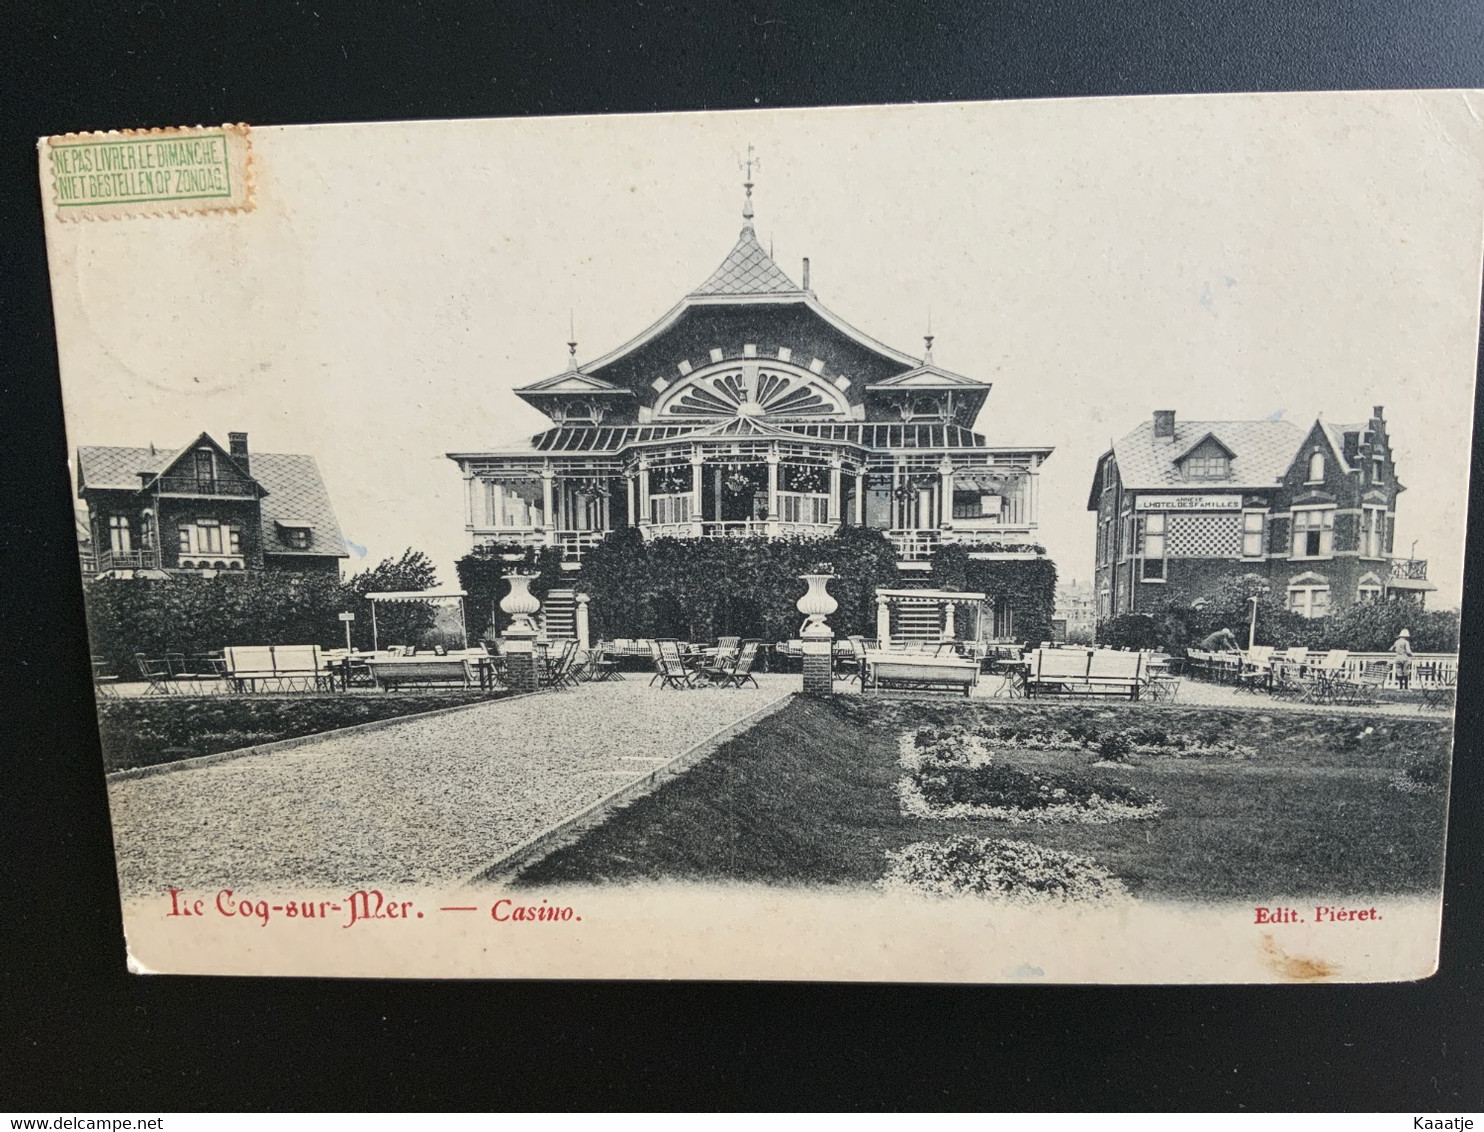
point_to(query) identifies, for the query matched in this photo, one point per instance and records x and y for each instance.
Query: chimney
(1164, 424)
(806, 273)
(237, 445)
(1376, 412)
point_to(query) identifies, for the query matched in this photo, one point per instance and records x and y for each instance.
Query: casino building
(750, 410)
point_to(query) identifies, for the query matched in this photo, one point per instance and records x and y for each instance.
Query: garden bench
(282, 667)
(921, 671)
(1102, 672)
(443, 671)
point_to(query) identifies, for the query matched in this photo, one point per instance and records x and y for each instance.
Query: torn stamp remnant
(160, 172)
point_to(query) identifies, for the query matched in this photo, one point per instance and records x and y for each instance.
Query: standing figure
(1402, 663)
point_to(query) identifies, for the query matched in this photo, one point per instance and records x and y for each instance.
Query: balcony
(751, 528)
(918, 544)
(573, 544)
(190, 485)
(1409, 569)
(110, 560)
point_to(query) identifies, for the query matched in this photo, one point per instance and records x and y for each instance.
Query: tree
(401, 622)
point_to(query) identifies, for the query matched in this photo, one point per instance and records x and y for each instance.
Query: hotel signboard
(1188, 503)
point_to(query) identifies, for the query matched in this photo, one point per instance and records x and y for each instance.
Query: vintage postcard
(1012, 542)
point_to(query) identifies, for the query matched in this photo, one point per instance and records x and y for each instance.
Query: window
(1369, 589)
(1313, 532)
(120, 536)
(1316, 468)
(670, 508)
(234, 540)
(1252, 530)
(297, 537)
(971, 504)
(803, 508)
(1152, 549)
(1309, 599)
(205, 466)
(1378, 469)
(1208, 466)
(184, 537)
(1128, 536)
(1373, 532)
(208, 536)
(1108, 472)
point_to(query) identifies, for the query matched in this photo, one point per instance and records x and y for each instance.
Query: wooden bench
(283, 668)
(441, 671)
(920, 671)
(1073, 672)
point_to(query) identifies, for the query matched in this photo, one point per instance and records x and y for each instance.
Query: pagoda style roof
(748, 270)
(859, 434)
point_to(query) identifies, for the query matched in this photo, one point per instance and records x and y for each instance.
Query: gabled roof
(296, 496)
(1261, 453)
(1211, 436)
(928, 376)
(748, 270)
(1336, 434)
(99, 468)
(575, 382)
(735, 428)
(203, 439)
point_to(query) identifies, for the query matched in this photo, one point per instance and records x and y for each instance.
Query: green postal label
(149, 172)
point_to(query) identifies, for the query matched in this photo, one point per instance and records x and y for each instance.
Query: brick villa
(1184, 506)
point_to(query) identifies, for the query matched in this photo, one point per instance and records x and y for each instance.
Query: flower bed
(1109, 743)
(1006, 870)
(954, 776)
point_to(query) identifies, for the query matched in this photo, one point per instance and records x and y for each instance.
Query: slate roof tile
(1263, 452)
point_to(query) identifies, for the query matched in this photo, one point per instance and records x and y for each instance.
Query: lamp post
(1252, 624)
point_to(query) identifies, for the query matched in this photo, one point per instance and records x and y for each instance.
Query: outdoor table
(1015, 674)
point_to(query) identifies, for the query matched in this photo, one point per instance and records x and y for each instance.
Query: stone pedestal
(819, 664)
(522, 669)
(583, 624)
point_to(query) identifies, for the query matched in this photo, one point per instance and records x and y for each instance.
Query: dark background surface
(78, 1033)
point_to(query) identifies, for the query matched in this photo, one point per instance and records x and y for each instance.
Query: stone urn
(816, 605)
(520, 603)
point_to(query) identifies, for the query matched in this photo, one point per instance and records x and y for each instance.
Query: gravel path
(419, 802)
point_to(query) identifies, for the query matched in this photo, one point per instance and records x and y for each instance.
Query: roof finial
(927, 339)
(748, 165)
(571, 342)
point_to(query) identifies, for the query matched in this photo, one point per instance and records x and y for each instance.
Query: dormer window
(1208, 466)
(296, 534)
(1316, 468)
(1207, 459)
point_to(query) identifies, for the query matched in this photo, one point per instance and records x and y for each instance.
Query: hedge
(1364, 627)
(190, 614)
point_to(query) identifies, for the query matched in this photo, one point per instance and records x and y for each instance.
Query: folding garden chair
(670, 668)
(734, 671)
(156, 674)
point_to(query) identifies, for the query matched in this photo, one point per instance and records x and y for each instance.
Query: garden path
(421, 801)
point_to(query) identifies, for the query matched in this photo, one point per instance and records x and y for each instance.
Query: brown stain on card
(1299, 968)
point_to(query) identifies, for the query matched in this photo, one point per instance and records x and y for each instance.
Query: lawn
(146, 731)
(1255, 805)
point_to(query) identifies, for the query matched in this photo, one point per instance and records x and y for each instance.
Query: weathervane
(752, 162)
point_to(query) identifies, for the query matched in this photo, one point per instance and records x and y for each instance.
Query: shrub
(1015, 871)
(1114, 747)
